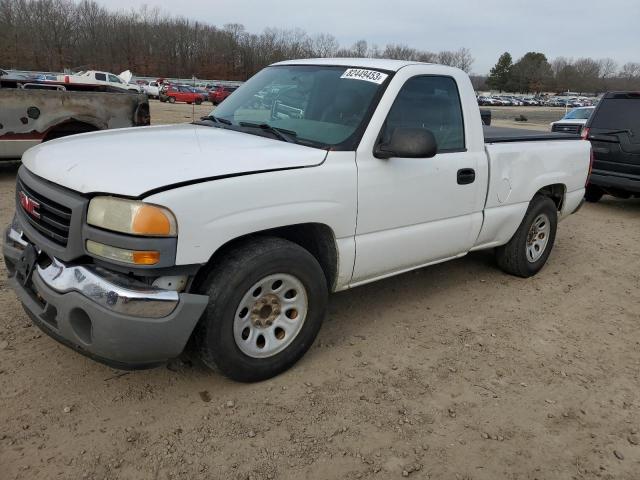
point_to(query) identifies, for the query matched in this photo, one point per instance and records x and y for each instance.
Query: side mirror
(408, 143)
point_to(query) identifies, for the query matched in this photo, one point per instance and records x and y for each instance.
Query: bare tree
(360, 48)
(59, 35)
(325, 45)
(463, 60)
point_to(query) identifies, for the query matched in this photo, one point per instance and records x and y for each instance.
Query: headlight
(132, 217)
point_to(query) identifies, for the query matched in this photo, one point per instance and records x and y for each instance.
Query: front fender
(212, 213)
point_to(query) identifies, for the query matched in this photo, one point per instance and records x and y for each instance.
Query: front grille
(567, 128)
(52, 219)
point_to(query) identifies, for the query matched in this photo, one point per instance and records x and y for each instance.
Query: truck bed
(504, 135)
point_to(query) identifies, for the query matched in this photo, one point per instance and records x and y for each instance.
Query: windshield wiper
(213, 118)
(281, 133)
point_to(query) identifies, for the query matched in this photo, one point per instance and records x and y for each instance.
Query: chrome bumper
(113, 291)
(109, 290)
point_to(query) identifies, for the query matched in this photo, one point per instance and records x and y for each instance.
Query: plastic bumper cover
(101, 314)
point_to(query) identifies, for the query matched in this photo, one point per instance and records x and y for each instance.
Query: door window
(432, 103)
(101, 77)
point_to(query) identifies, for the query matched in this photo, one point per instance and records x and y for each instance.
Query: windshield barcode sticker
(367, 75)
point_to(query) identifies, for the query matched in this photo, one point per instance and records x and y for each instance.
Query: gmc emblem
(29, 205)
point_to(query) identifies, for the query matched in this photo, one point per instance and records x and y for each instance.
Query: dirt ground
(456, 371)
(538, 118)
(165, 113)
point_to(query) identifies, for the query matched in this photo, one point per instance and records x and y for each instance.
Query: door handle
(466, 176)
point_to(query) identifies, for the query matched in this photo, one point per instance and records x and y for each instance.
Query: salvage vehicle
(41, 111)
(180, 93)
(229, 233)
(152, 89)
(220, 92)
(94, 77)
(574, 121)
(614, 133)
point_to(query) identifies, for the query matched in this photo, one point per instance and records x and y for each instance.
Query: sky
(592, 28)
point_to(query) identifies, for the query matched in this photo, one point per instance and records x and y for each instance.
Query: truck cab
(231, 232)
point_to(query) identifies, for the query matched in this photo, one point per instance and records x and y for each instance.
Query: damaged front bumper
(102, 314)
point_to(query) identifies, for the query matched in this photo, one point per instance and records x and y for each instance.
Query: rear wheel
(530, 247)
(593, 194)
(198, 102)
(268, 298)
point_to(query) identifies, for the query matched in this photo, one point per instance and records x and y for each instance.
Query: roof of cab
(376, 63)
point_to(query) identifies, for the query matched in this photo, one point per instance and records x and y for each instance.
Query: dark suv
(614, 132)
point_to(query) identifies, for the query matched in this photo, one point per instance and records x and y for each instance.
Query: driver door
(416, 211)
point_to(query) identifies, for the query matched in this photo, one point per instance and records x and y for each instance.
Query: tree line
(54, 35)
(534, 73)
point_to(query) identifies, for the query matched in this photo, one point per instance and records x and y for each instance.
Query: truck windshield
(579, 114)
(319, 106)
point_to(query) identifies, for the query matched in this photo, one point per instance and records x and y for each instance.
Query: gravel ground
(456, 371)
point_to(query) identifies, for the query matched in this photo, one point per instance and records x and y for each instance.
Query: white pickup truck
(232, 231)
(106, 79)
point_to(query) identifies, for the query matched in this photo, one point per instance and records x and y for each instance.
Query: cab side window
(432, 103)
(101, 77)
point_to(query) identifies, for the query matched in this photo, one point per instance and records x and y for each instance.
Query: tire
(520, 256)
(171, 100)
(234, 308)
(593, 194)
(198, 102)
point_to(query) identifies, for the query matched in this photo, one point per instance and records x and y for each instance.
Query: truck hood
(134, 161)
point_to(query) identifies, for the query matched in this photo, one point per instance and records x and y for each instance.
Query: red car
(218, 93)
(180, 93)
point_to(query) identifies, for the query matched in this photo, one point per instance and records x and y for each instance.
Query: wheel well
(318, 239)
(68, 128)
(554, 192)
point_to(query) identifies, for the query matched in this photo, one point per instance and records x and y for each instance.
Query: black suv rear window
(618, 114)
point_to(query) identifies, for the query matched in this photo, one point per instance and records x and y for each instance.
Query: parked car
(486, 101)
(152, 89)
(45, 77)
(529, 102)
(561, 102)
(180, 93)
(94, 77)
(204, 93)
(220, 92)
(614, 133)
(574, 121)
(231, 232)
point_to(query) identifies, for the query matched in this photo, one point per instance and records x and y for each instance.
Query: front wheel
(530, 247)
(172, 100)
(268, 298)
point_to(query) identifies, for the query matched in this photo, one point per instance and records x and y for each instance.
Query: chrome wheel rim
(538, 237)
(270, 315)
